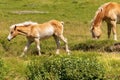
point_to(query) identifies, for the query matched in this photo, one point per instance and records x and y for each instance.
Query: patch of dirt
(113, 48)
(29, 12)
(98, 46)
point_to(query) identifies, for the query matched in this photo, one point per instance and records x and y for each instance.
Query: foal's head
(13, 32)
(17, 29)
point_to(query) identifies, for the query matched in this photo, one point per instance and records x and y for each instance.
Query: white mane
(24, 24)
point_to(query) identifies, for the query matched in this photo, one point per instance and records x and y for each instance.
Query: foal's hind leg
(66, 43)
(57, 43)
(37, 44)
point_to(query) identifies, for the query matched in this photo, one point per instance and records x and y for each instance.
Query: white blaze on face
(9, 37)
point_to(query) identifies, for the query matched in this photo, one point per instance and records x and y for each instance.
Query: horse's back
(54, 24)
(112, 6)
(110, 10)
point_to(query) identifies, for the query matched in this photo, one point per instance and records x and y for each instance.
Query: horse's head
(96, 31)
(13, 32)
(20, 28)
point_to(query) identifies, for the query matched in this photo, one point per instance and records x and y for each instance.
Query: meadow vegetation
(77, 15)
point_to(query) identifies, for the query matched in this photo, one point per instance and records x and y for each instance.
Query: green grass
(76, 14)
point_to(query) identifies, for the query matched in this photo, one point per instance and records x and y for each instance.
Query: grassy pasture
(76, 14)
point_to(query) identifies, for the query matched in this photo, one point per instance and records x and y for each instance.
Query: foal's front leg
(37, 44)
(26, 48)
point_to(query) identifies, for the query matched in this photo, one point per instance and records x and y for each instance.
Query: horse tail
(62, 22)
(57, 23)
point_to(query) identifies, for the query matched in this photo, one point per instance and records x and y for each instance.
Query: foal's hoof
(57, 52)
(68, 52)
(22, 55)
(39, 54)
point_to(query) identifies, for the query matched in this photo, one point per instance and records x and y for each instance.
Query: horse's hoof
(39, 54)
(68, 52)
(22, 55)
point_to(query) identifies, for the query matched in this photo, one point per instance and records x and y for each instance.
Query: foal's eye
(11, 32)
(93, 28)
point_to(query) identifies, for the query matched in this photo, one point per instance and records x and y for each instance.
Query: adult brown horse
(110, 13)
(35, 32)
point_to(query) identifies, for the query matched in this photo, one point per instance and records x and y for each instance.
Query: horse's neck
(99, 17)
(24, 30)
(98, 20)
(97, 23)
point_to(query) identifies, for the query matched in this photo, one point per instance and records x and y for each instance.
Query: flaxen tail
(62, 22)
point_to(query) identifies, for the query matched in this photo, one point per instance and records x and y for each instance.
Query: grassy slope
(76, 14)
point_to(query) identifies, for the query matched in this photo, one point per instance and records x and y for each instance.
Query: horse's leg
(66, 44)
(109, 26)
(26, 48)
(57, 43)
(37, 44)
(114, 29)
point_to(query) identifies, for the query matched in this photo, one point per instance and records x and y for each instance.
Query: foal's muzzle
(8, 39)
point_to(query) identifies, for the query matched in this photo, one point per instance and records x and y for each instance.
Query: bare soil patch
(29, 12)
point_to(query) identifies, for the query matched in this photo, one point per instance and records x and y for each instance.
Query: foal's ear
(15, 27)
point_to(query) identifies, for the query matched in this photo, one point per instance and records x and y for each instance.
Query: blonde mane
(100, 9)
(24, 24)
